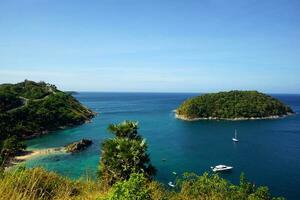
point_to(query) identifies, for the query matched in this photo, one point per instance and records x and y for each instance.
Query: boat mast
(235, 132)
(235, 104)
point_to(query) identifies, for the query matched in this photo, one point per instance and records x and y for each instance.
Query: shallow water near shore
(268, 151)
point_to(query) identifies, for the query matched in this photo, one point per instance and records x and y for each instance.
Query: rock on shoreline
(29, 154)
(78, 146)
(181, 117)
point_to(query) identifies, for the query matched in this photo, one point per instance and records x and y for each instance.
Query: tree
(135, 188)
(212, 186)
(126, 129)
(233, 104)
(124, 154)
(245, 187)
(28, 108)
(8, 148)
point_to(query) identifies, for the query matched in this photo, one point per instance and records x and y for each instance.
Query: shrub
(125, 154)
(135, 188)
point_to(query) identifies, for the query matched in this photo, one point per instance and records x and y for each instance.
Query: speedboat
(220, 168)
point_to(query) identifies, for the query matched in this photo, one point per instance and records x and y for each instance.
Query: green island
(125, 171)
(233, 105)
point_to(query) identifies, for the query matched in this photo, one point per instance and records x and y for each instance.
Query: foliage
(135, 188)
(158, 191)
(233, 104)
(121, 157)
(28, 109)
(28, 89)
(55, 111)
(11, 146)
(45, 108)
(29, 184)
(126, 129)
(125, 154)
(37, 183)
(194, 187)
(9, 101)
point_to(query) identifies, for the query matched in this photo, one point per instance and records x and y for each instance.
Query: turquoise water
(268, 151)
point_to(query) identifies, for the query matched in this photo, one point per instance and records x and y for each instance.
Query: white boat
(235, 137)
(171, 184)
(220, 168)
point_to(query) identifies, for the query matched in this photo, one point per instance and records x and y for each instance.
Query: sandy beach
(33, 153)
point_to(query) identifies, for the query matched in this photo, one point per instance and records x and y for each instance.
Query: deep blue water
(268, 151)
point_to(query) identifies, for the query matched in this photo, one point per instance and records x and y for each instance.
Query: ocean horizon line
(146, 92)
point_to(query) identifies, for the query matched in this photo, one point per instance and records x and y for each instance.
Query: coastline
(181, 117)
(46, 132)
(30, 154)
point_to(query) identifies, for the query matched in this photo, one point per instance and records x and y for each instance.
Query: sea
(268, 151)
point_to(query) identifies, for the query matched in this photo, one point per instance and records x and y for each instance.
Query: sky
(152, 45)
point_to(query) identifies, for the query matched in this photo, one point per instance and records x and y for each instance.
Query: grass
(37, 183)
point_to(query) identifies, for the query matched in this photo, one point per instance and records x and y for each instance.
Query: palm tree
(125, 154)
(126, 129)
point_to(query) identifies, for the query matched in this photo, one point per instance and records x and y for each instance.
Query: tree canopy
(125, 154)
(126, 129)
(29, 108)
(212, 186)
(231, 105)
(133, 188)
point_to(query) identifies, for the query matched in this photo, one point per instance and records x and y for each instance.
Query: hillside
(29, 109)
(232, 105)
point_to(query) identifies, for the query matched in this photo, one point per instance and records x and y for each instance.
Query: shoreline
(181, 117)
(46, 132)
(30, 154)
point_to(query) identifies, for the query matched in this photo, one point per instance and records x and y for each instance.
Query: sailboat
(235, 137)
(235, 132)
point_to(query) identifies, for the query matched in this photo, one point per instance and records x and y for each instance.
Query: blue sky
(152, 45)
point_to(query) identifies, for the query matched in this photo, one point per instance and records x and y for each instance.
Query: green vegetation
(30, 184)
(28, 109)
(10, 147)
(133, 188)
(125, 154)
(232, 105)
(28, 89)
(9, 101)
(194, 187)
